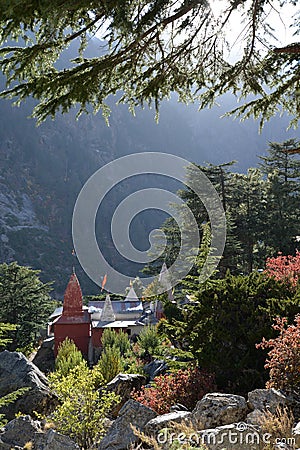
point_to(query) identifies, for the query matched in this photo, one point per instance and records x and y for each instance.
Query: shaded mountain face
(42, 170)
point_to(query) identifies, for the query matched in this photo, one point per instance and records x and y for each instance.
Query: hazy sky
(280, 18)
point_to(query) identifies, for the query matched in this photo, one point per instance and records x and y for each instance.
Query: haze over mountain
(42, 170)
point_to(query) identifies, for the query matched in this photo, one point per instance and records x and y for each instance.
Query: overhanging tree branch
(152, 49)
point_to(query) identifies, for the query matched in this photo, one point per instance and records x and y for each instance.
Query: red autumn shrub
(184, 386)
(284, 268)
(284, 357)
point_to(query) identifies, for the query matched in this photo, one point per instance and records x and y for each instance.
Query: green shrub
(149, 340)
(82, 409)
(120, 340)
(68, 357)
(110, 363)
(227, 319)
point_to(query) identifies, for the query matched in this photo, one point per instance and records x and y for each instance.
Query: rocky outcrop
(238, 436)
(155, 368)
(216, 409)
(218, 422)
(266, 399)
(255, 417)
(17, 372)
(44, 358)
(166, 420)
(120, 435)
(261, 400)
(123, 384)
(19, 431)
(53, 441)
(25, 430)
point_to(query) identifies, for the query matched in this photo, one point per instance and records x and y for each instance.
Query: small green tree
(149, 340)
(120, 340)
(82, 409)
(68, 357)
(110, 363)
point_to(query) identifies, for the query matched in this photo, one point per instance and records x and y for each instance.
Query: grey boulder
(53, 441)
(44, 358)
(217, 409)
(155, 368)
(166, 420)
(120, 436)
(17, 372)
(19, 431)
(267, 399)
(236, 436)
(123, 384)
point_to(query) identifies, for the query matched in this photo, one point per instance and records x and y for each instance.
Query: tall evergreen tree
(282, 168)
(247, 206)
(25, 302)
(262, 210)
(282, 158)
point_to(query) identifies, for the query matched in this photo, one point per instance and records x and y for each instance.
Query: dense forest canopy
(149, 50)
(261, 207)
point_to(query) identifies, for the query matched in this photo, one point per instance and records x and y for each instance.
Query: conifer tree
(25, 302)
(247, 206)
(68, 357)
(227, 318)
(282, 168)
(111, 339)
(110, 363)
(5, 330)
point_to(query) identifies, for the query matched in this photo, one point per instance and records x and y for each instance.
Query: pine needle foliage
(148, 50)
(120, 340)
(25, 302)
(8, 399)
(68, 357)
(149, 340)
(5, 338)
(110, 363)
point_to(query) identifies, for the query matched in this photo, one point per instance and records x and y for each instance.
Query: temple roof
(107, 314)
(73, 298)
(131, 296)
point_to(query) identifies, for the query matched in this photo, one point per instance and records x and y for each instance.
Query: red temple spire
(73, 298)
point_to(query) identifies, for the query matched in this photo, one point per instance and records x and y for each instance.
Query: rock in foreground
(120, 436)
(17, 372)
